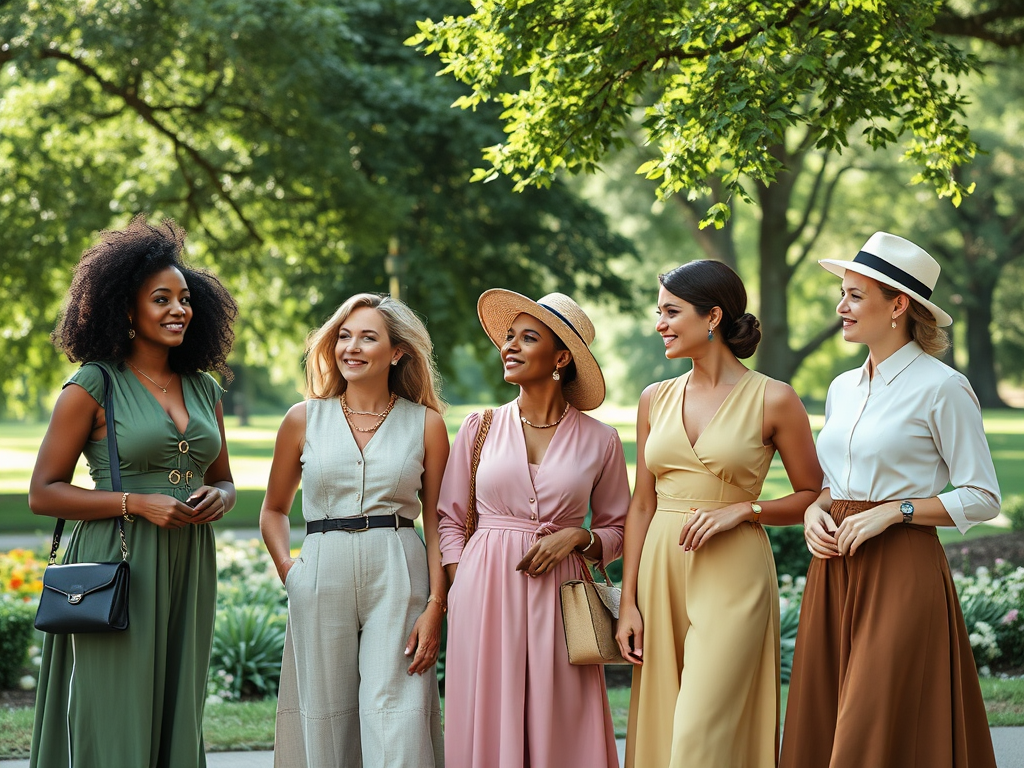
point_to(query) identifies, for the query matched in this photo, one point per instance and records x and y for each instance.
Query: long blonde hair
(921, 324)
(415, 377)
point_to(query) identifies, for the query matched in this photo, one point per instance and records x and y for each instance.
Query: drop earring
(131, 333)
(711, 334)
(556, 375)
(894, 322)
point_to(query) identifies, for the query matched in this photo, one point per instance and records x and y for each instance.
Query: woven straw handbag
(590, 612)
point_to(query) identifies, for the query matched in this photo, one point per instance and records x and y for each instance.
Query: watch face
(907, 508)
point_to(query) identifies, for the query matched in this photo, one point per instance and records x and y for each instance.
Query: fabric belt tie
(509, 523)
(358, 524)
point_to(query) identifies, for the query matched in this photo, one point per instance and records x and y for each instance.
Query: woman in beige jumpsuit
(365, 598)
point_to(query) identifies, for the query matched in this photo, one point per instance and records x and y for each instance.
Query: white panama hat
(498, 308)
(900, 264)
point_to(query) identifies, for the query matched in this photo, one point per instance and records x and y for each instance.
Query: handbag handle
(478, 446)
(115, 469)
(585, 567)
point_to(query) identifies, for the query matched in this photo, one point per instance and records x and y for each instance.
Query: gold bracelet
(439, 601)
(124, 508)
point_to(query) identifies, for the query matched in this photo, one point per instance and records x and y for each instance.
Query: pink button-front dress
(511, 697)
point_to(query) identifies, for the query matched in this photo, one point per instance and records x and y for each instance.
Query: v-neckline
(522, 440)
(714, 418)
(152, 397)
(352, 432)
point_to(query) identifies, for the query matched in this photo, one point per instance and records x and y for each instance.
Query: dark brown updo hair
(708, 284)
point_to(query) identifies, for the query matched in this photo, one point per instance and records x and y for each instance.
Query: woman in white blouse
(883, 674)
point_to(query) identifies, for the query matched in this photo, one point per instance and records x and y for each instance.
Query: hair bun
(744, 335)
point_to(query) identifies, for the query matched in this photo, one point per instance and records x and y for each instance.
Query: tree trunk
(774, 354)
(981, 352)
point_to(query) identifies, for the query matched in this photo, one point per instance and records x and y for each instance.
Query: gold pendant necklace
(383, 415)
(540, 426)
(163, 388)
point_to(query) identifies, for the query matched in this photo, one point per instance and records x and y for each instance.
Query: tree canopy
(719, 84)
(294, 139)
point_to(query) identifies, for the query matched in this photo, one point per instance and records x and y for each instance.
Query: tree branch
(816, 341)
(978, 26)
(146, 112)
(826, 208)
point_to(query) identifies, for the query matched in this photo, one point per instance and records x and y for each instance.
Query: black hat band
(895, 273)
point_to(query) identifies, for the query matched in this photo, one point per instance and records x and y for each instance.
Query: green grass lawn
(251, 449)
(241, 726)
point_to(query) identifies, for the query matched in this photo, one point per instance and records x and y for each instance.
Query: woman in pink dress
(511, 697)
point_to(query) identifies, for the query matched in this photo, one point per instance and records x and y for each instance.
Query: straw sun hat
(899, 264)
(498, 308)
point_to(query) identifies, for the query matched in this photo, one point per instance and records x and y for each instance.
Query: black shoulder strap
(115, 462)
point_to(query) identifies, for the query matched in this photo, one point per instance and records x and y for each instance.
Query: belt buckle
(366, 526)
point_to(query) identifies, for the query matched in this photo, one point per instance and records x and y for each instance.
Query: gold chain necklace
(383, 415)
(540, 426)
(163, 388)
(350, 412)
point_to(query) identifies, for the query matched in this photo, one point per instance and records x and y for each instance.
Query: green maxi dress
(134, 699)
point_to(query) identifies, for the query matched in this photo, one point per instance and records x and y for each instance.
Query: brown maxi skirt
(883, 675)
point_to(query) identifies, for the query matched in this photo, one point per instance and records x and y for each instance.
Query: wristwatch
(907, 508)
(757, 511)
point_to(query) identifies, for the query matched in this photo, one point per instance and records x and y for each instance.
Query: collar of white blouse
(894, 364)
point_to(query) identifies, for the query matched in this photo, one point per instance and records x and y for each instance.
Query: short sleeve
(211, 388)
(90, 378)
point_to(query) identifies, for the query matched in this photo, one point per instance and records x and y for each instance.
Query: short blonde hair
(921, 324)
(415, 377)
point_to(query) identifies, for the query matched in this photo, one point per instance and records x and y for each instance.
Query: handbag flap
(610, 596)
(80, 579)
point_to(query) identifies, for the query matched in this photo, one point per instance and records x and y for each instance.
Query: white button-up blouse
(908, 433)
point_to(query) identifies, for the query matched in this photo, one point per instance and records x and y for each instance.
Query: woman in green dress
(135, 698)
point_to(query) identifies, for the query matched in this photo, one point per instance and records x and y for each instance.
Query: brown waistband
(840, 509)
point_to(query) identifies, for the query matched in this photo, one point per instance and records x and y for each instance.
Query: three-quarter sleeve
(959, 434)
(453, 500)
(609, 501)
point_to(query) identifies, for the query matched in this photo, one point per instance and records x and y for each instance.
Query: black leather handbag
(88, 597)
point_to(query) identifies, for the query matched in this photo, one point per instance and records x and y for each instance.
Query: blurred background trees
(302, 142)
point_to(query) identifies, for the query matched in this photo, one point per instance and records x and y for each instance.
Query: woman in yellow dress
(700, 606)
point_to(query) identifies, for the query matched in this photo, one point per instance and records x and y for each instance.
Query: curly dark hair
(94, 324)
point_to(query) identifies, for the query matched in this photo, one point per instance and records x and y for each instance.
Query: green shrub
(16, 619)
(1013, 508)
(248, 641)
(789, 550)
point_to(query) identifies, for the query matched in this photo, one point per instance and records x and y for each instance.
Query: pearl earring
(394, 362)
(556, 375)
(894, 322)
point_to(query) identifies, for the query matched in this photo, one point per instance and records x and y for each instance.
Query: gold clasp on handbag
(75, 598)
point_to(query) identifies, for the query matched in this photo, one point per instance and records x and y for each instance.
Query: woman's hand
(705, 523)
(549, 551)
(629, 634)
(425, 641)
(856, 529)
(208, 504)
(160, 509)
(285, 566)
(820, 532)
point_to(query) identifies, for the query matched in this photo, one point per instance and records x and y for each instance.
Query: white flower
(27, 683)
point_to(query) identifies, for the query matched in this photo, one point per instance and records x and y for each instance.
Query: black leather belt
(357, 524)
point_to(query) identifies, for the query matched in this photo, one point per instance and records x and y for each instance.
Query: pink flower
(1010, 617)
